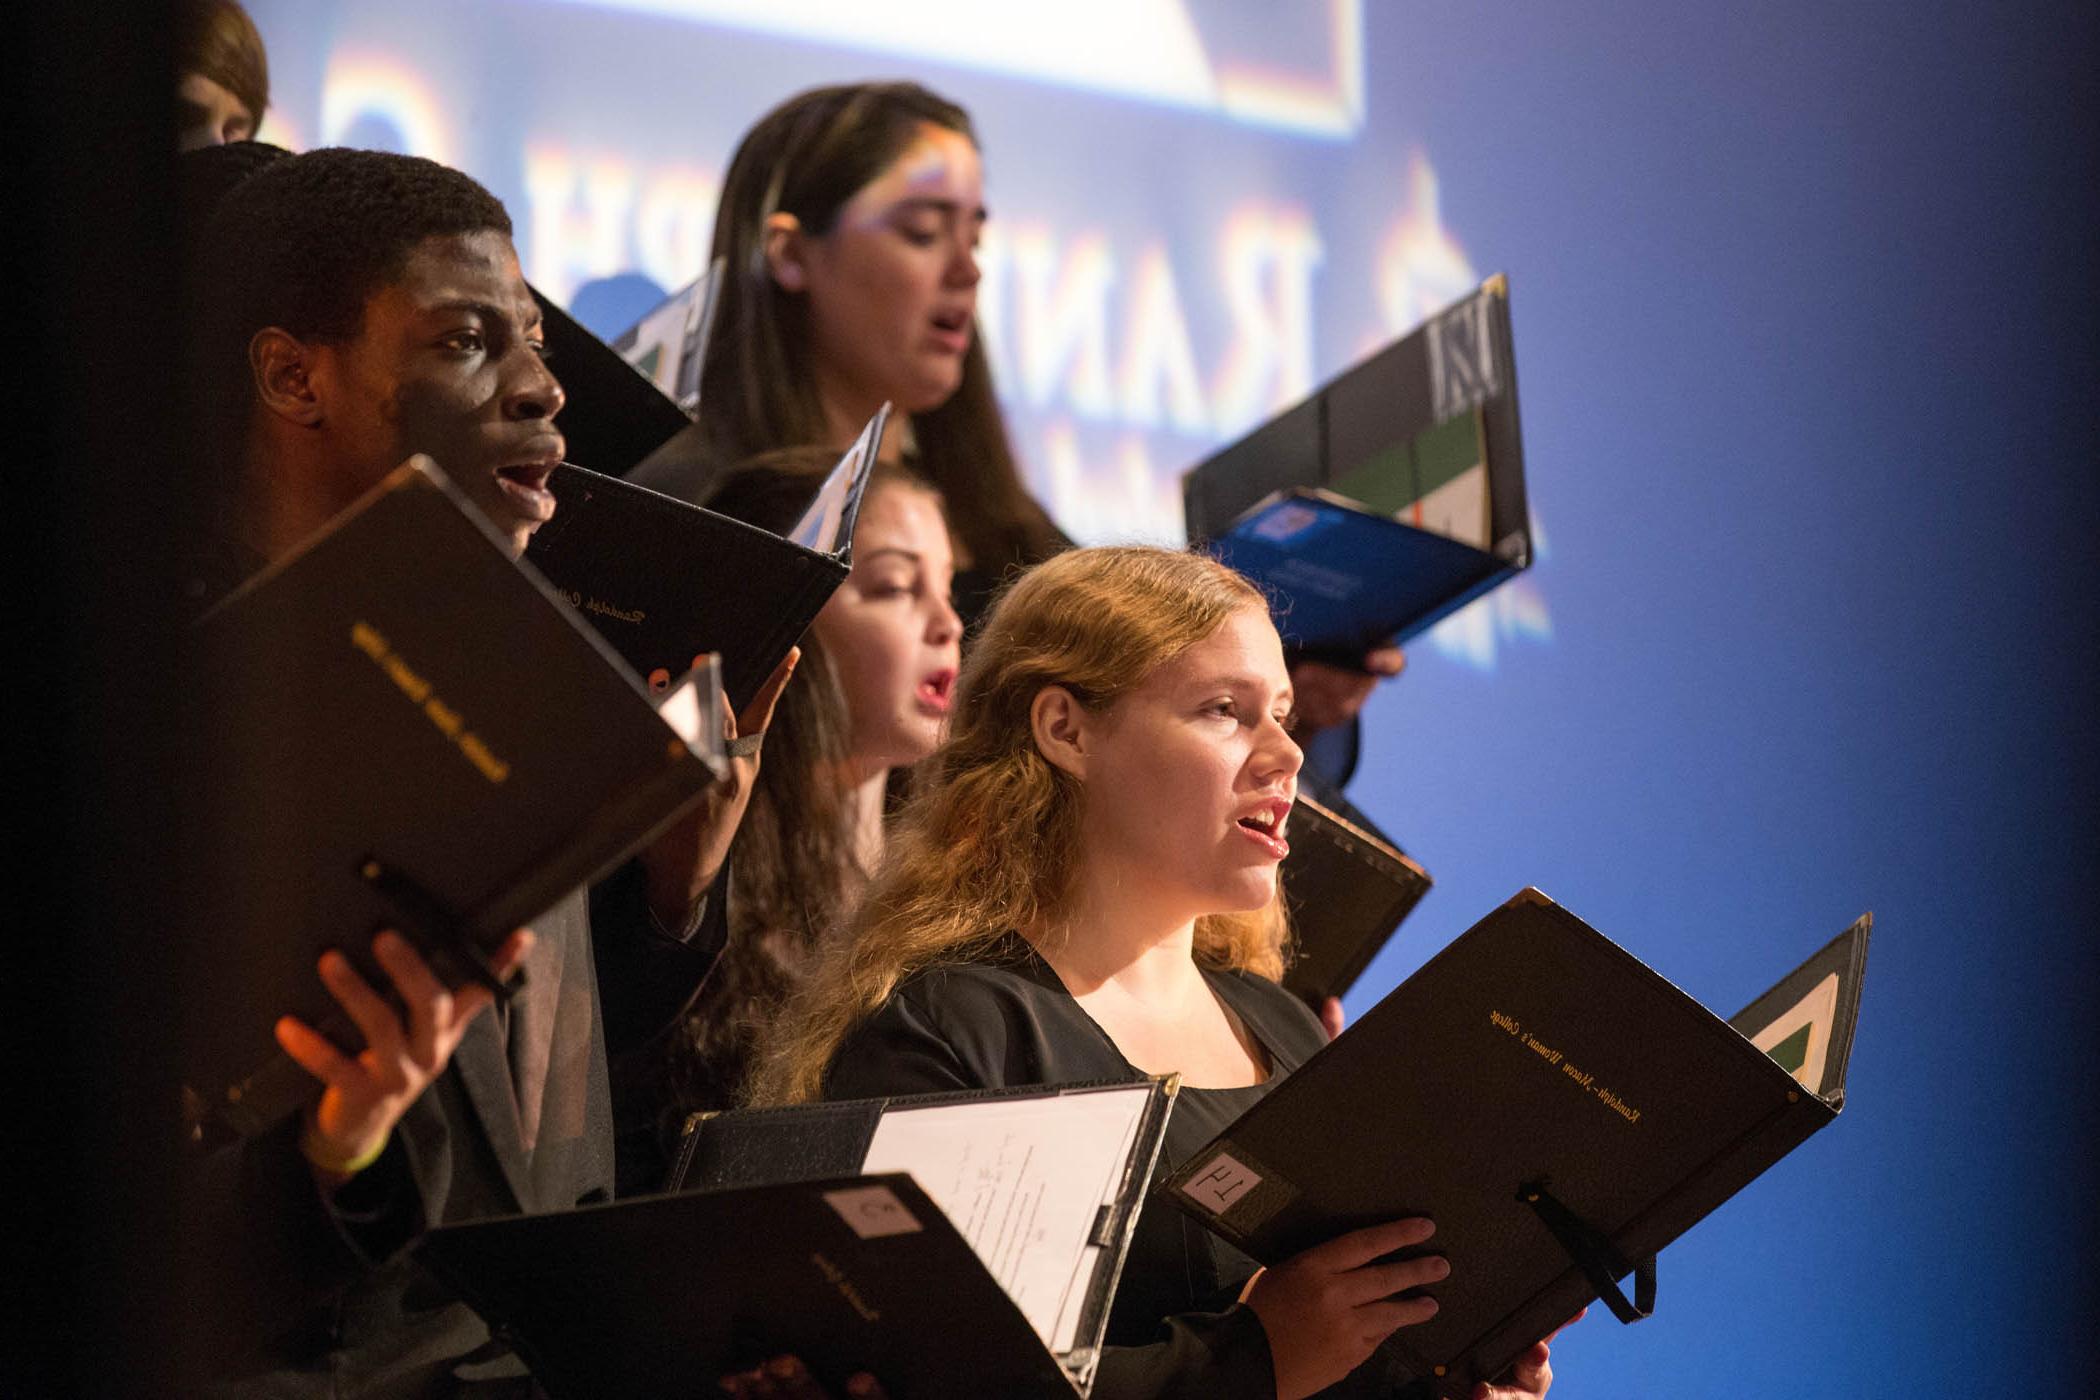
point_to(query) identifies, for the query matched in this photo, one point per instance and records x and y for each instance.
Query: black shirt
(1175, 1328)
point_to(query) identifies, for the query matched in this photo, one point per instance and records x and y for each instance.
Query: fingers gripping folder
(1532, 1074)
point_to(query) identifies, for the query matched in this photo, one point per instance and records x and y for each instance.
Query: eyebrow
(911, 554)
(934, 201)
(487, 311)
(1235, 680)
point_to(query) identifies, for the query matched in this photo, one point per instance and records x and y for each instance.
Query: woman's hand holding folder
(683, 862)
(365, 1094)
(1328, 694)
(1326, 1310)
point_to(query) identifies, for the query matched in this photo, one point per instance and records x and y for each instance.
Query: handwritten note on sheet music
(1023, 1180)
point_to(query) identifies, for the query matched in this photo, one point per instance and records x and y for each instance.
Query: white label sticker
(872, 1211)
(1286, 520)
(1220, 1184)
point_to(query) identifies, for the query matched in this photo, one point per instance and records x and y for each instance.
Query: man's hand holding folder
(786, 1378)
(364, 1095)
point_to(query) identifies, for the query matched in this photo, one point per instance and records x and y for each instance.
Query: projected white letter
(1268, 259)
(1156, 351)
(673, 225)
(569, 246)
(1421, 268)
(1062, 325)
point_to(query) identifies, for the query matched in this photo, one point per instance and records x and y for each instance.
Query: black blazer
(1175, 1328)
(318, 1296)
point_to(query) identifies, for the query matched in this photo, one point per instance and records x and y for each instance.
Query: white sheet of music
(1023, 1180)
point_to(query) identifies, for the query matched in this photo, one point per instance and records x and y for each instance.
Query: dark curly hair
(310, 239)
(304, 242)
(206, 175)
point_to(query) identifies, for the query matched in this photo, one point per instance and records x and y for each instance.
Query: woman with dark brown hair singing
(848, 228)
(870, 695)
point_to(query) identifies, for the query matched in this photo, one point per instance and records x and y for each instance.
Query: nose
(1277, 756)
(533, 390)
(945, 624)
(963, 270)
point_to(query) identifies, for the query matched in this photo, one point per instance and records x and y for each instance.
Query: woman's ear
(785, 249)
(283, 369)
(1058, 723)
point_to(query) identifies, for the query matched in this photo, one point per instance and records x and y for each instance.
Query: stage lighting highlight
(365, 87)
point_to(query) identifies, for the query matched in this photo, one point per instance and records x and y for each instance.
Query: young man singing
(364, 308)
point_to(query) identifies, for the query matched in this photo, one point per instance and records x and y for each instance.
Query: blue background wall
(1803, 301)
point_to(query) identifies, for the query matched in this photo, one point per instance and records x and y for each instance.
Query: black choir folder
(408, 730)
(1390, 497)
(615, 415)
(957, 1246)
(666, 582)
(1559, 1110)
(1347, 887)
(628, 399)
(668, 346)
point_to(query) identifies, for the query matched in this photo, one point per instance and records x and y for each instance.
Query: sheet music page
(1023, 1180)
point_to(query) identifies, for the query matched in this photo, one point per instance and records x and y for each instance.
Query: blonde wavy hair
(990, 843)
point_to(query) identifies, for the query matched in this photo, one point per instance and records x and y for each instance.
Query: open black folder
(1559, 1110)
(668, 345)
(615, 414)
(666, 582)
(955, 1245)
(1390, 497)
(627, 400)
(408, 730)
(1347, 887)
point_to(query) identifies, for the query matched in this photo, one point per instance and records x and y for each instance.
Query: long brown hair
(796, 872)
(808, 157)
(991, 842)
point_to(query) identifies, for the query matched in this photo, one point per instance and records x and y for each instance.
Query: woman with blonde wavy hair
(1085, 888)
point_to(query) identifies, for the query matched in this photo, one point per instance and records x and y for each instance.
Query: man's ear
(282, 366)
(785, 250)
(1059, 725)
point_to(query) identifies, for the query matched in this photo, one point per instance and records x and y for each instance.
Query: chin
(932, 392)
(1244, 894)
(912, 741)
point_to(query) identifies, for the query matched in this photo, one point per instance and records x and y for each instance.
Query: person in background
(222, 74)
(1085, 889)
(848, 226)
